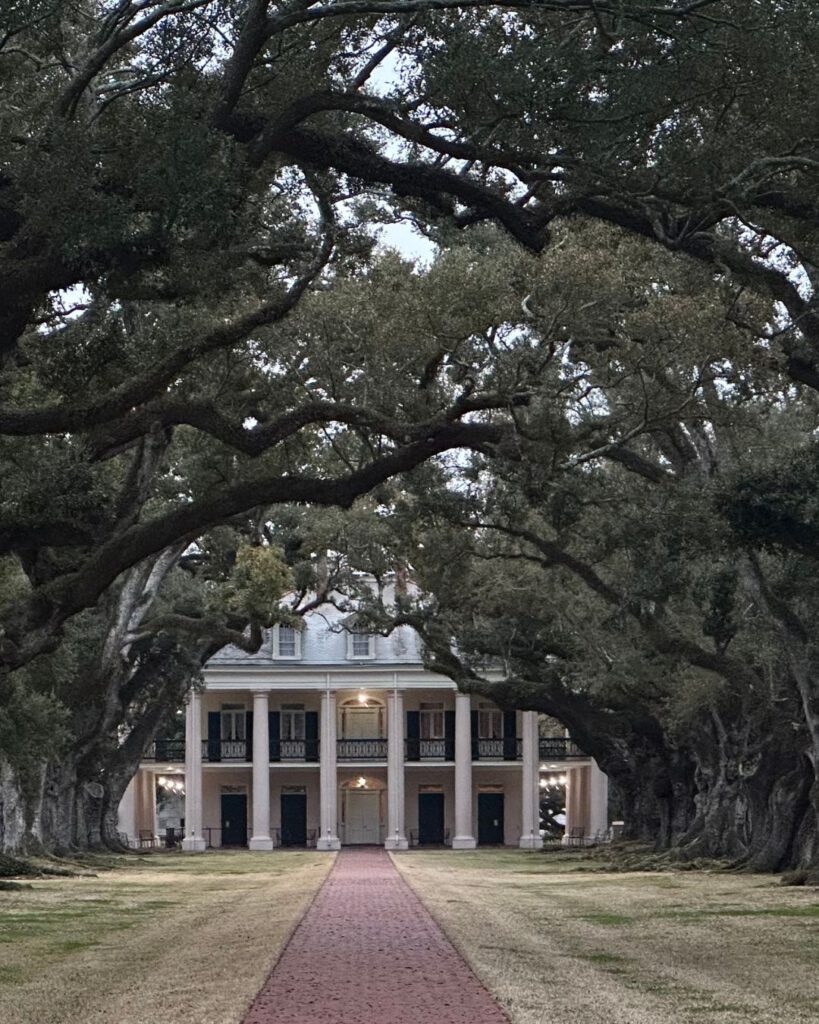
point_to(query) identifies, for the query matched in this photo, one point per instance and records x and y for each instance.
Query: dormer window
(286, 642)
(360, 646)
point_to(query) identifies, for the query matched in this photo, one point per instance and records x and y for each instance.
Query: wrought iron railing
(550, 748)
(211, 833)
(165, 750)
(225, 750)
(510, 748)
(558, 748)
(434, 748)
(429, 750)
(361, 750)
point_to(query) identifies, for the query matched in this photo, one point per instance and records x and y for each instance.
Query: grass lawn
(566, 946)
(174, 937)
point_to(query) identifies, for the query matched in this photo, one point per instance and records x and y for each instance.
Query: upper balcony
(551, 748)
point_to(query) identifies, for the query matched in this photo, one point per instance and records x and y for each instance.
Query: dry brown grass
(570, 947)
(188, 939)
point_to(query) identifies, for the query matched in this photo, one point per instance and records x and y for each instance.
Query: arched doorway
(361, 717)
(362, 811)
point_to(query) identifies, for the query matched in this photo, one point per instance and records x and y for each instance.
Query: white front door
(361, 819)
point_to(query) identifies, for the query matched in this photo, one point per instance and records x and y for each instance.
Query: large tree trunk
(15, 811)
(752, 798)
(656, 790)
(64, 814)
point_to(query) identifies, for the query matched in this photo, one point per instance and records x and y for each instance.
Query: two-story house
(328, 737)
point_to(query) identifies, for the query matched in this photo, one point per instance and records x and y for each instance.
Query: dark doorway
(294, 819)
(430, 818)
(234, 819)
(490, 818)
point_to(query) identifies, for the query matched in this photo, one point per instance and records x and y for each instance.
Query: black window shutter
(449, 735)
(214, 736)
(413, 736)
(510, 739)
(274, 740)
(311, 735)
(248, 735)
(476, 750)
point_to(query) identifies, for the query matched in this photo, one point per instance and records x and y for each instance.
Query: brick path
(368, 952)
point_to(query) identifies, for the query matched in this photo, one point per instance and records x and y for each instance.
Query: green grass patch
(72, 945)
(608, 920)
(602, 958)
(808, 911)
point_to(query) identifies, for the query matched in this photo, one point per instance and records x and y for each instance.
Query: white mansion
(327, 737)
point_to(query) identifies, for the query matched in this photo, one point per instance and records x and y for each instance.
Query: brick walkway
(366, 952)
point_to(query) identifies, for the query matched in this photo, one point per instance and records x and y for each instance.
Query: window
(360, 646)
(233, 721)
(432, 721)
(490, 722)
(286, 642)
(292, 722)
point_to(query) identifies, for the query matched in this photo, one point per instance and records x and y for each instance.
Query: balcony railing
(294, 750)
(510, 748)
(550, 748)
(436, 749)
(165, 750)
(429, 750)
(362, 750)
(225, 750)
(558, 748)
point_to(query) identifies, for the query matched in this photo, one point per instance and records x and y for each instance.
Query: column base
(396, 843)
(464, 843)
(260, 843)
(194, 844)
(530, 843)
(328, 843)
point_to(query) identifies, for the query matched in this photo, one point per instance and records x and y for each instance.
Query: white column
(126, 812)
(260, 840)
(530, 785)
(194, 840)
(328, 839)
(571, 801)
(598, 801)
(464, 838)
(396, 838)
(148, 823)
